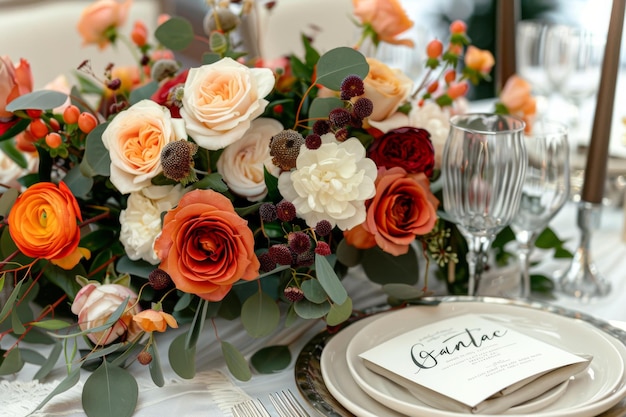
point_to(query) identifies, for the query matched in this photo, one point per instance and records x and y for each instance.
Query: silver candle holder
(582, 279)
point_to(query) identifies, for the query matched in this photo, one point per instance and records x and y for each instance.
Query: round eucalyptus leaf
(235, 362)
(313, 291)
(110, 391)
(260, 314)
(308, 310)
(339, 313)
(335, 65)
(271, 359)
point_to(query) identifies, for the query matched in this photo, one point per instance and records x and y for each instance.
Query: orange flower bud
(87, 122)
(139, 34)
(433, 86)
(70, 114)
(53, 140)
(38, 128)
(449, 76)
(434, 49)
(458, 26)
(457, 90)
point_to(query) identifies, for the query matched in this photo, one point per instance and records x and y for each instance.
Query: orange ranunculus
(43, 223)
(386, 17)
(403, 208)
(15, 81)
(153, 320)
(98, 19)
(205, 246)
(479, 60)
(517, 98)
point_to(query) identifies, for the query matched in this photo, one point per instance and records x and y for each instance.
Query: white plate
(595, 391)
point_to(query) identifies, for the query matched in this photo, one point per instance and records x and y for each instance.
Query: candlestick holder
(582, 279)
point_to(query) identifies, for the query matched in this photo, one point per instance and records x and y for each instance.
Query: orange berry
(458, 26)
(53, 140)
(457, 90)
(38, 128)
(139, 34)
(87, 122)
(433, 86)
(455, 49)
(70, 114)
(54, 124)
(449, 76)
(434, 49)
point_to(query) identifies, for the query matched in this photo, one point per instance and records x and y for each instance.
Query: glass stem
(525, 243)
(477, 256)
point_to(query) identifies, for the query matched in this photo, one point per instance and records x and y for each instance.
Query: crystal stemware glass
(530, 52)
(545, 189)
(483, 167)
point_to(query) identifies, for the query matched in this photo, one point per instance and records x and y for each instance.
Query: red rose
(406, 147)
(165, 94)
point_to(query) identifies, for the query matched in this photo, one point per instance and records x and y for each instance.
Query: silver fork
(287, 405)
(250, 408)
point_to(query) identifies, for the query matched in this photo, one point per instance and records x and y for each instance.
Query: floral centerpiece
(153, 196)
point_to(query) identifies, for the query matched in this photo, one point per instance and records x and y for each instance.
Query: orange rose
(517, 98)
(42, 223)
(14, 82)
(479, 59)
(153, 320)
(205, 246)
(99, 20)
(386, 17)
(403, 208)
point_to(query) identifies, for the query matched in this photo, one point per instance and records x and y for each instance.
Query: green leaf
(110, 391)
(313, 291)
(155, 365)
(64, 279)
(210, 58)
(12, 363)
(339, 313)
(322, 106)
(212, 181)
(143, 93)
(37, 100)
(79, 184)
(308, 310)
(7, 199)
(335, 65)
(175, 34)
(70, 380)
(11, 151)
(384, 268)
(113, 318)
(96, 155)
(348, 254)
(235, 362)
(329, 280)
(8, 306)
(183, 302)
(53, 324)
(182, 359)
(197, 324)
(32, 356)
(271, 359)
(50, 362)
(138, 268)
(20, 126)
(260, 314)
(402, 291)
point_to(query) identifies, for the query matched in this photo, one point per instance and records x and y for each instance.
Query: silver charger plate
(308, 372)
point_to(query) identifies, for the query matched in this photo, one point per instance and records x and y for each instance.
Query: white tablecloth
(213, 391)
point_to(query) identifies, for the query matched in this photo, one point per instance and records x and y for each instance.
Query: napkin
(515, 394)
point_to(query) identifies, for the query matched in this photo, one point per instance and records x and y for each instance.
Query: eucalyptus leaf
(8, 305)
(176, 33)
(235, 362)
(308, 310)
(210, 58)
(110, 391)
(384, 268)
(313, 291)
(113, 318)
(144, 92)
(96, 155)
(322, 106)
(329, 280)
(9, 149)
(138, 268)
(79, 184)
(155, 365)
(183, 302)
(291, 317)
(260, 314)
(12, 363)
(182, 359)
(37, 100)
(271, 359)
(70, 380)
(348, 254)
(53, 324)
(50, 362)
(335, 65)
(197, 324)
(212, 181)
(402, 291)
(7, 199)
(32, 356)
(339, 313)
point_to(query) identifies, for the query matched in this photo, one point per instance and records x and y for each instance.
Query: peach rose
(386, 17)
(14, 82)
(241, 164)
(479, 60)
(43, 223)
(99, 19)
(205, 246)
(221, 100)
(154, 321)
(403, 208)
(387, 88)
(135, 139)
(95, 303)
(517, 98)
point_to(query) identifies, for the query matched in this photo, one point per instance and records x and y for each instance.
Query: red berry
(38, 128)
(34, 113)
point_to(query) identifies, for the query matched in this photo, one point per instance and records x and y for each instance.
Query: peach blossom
(387, 88)
(517, 98)
(101, 17)
(479, 60)
(154, 320)
(386, 17)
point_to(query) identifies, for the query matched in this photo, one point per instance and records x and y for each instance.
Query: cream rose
(331, 183)
(241, 164)
(387, 88)
(135, 138)
(221, 100)
(10, 171)
(141, 220)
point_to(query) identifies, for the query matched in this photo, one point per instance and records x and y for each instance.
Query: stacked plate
(367, 394)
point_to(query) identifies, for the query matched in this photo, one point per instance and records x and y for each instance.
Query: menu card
(468, 358)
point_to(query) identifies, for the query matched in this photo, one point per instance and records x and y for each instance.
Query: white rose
(135, 138)
(141, 220)
(437, 121)
(241, 164)
(10, 171)
(221, 100)
(331, 183)
(387, 88)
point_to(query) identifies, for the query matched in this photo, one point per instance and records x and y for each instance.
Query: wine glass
(530, 51)
(483, 166)
(545, 189)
